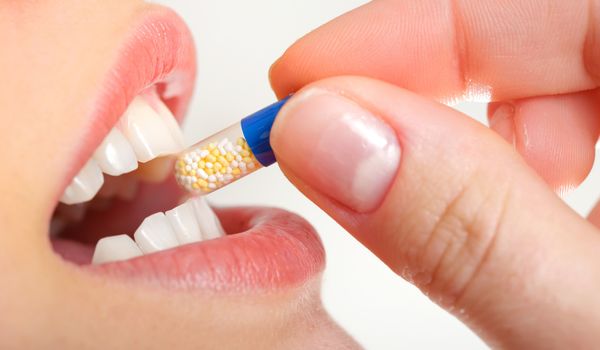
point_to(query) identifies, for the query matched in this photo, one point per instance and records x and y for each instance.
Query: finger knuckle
(460, 239)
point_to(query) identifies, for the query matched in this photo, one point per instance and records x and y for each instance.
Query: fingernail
(338, 148)
(502, 121)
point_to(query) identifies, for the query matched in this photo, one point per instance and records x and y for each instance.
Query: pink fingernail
(337, 147)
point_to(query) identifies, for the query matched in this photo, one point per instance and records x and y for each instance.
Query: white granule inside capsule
(202, 174)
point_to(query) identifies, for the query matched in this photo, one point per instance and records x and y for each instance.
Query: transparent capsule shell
(215, 162)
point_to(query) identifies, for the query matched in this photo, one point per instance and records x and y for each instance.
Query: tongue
(75, 252)
(124, 216)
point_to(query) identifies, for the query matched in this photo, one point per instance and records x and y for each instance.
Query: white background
(237, 41)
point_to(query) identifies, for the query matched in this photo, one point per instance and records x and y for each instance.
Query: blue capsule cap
(257, 132)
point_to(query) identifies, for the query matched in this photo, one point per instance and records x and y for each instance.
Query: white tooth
(115, 156)
(209, 224)
(85, 185)
(184, 223)
(155, 234)
(150, 133)
(170, 121)
(115, 248)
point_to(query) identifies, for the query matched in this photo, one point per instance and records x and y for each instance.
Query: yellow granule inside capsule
(211, 166)
(202, 183)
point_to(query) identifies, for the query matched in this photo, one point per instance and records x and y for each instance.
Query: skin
(54, 54)
(472, 216)
(493, 244)
(502, 49)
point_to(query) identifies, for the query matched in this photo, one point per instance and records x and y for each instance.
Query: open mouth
(120, 212)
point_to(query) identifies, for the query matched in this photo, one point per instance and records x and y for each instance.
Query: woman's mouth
(120, 214)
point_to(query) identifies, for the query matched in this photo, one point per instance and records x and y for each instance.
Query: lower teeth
(191, 222)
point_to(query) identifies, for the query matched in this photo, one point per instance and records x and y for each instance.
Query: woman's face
(70, 70)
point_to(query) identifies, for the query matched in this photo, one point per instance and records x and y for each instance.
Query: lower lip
(273, 251)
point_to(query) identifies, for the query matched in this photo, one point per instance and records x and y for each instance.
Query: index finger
(449, 50)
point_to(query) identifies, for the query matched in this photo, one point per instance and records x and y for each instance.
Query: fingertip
(501, 119)
(556, 135)
(462, 216)
(327, 133)
(277, 80)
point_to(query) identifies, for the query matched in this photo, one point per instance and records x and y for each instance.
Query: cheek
(53, 57)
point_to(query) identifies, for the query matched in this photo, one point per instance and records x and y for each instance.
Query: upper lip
(158, 50)
(275, 249)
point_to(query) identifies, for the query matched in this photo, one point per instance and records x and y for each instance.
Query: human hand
(442, 200)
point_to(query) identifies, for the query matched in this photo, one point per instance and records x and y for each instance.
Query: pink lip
(158, 51)
(266, 248)
(272, 249)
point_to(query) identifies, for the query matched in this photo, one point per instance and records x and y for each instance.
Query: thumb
(448, 205)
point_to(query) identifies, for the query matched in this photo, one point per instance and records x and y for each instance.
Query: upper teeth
(152, 133)
(144, 133)
(191, 222)
(115, 156)
(85, 185)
